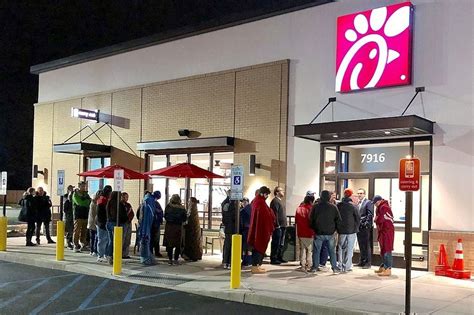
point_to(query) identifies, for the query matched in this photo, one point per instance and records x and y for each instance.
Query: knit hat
(157, 194)
(348, 192)
(377, 198)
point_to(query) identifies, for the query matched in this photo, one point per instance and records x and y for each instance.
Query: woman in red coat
(386, 234)
(262, 224)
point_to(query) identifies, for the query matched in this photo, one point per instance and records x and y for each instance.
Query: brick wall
(249, 103)
(449, 239)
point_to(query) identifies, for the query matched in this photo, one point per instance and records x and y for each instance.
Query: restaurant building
(267, 88)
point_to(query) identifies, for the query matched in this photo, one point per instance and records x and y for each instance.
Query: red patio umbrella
(108, 172)
(183, 170)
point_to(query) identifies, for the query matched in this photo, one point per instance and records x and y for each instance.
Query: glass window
(94, 184)
(158, 183)
(200, 186)
(178, 185)
(330, 160)
(422, 151)
(222, 166)
(380, 157)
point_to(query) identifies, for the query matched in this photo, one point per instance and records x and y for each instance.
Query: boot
(381, 268)
(257, 270)
(261, 268)
(385, 272)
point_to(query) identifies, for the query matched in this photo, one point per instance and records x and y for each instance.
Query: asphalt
(33, 290)
(282, 287)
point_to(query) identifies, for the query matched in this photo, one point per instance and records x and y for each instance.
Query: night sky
(33, 32)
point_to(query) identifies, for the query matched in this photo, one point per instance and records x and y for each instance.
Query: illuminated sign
(409, 175)
(85, 114)
(374, 48)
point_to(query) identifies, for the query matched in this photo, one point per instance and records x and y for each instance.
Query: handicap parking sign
(237, 182)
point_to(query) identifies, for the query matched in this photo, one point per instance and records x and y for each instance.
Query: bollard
(235, 268)
(3, 233)
(117, 266)
(60, 241)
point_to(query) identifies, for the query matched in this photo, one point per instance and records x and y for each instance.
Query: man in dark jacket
(68, 215)
(228, 219)
(278, 236)
(364, 236)
(29, 214)
(347, 229)
(324, 219)
(43, 206)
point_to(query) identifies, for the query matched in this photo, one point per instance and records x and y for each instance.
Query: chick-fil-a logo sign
(374, 48)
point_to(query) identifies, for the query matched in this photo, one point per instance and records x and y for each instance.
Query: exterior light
(253, 165)
(387, 132)
(335, 136)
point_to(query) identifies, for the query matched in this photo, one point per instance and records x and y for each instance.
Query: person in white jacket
(92, 223)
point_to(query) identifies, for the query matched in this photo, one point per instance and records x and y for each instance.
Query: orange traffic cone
(458, 271)
(442, 266)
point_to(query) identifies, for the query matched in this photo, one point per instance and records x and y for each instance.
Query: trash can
(289, 247)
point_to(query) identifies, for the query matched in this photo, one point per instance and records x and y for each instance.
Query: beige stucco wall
(250, 104)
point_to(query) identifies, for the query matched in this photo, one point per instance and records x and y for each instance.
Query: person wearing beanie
(347, 228)
(323, 220)
(386, 234)
(262, 223)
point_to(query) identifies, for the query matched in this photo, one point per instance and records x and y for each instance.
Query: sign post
(60, 223)
(236, 194)
(408, 181)
(3, 220)
(118, 232)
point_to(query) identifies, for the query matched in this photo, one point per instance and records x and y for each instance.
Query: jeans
(93, 236)
(227, 249)
(110, 245)
(387, 260)
(257, 258)
(332, 250)
(127, 239)
(346, 250)
(363, 238)
(323, 256)
(102, 241)
(46, 230)
(278, 240)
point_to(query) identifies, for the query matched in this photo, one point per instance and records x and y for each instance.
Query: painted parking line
(43, 305)
(89, 299)
(2, 285)
(130, 293)
(21, 294)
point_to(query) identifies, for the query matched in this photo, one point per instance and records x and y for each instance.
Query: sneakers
(170, 262)
(38, 241)
(110, 260)
(336, 271)
(385, 272)
(30, 244)
(93, 254)
(257, 270)
(50, 241)
(275, 262)
(100, 259)
(281, 260)
(77, 249)
(366, 267)
(70, 246)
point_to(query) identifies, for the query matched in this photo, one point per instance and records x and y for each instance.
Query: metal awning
(81, 148)
(217, 144)
(366, 129)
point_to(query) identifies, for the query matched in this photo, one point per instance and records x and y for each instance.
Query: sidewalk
(358, 292)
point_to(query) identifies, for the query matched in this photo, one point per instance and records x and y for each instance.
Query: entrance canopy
(81, 148)
(366, 129)
(217, 144)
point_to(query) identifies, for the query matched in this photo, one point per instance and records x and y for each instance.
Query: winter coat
(175, 216)
(385, 227)
(67, 206)
(324, 218)
(147, 217)
(80, 203)
(245, 214)
(350, 217)
(262, 224)
(112, 213)
(102, 212)
(279, 209)
(303, 229)
(28, 206)
(92, 220)
(366, 212)
(43, 207)
(228, 216)
(192, 235)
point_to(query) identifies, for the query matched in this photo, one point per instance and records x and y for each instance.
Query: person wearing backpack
(28, 214)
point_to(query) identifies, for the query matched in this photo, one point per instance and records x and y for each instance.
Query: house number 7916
(373, 158)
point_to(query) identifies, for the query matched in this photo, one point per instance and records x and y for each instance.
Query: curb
(240, 295)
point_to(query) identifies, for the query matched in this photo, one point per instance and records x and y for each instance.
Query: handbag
(23, 215)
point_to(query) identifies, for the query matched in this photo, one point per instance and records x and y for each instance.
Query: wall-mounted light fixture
(253, 165)
(184, 132)
(36, 171)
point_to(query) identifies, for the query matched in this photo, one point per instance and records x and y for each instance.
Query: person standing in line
(192, 235)
(112, 206)
(156, 227)
(102, 234)
(28, 214)
(262, 224)
(43, 206)
(127, 228)
(347, 229)
(228, 219)
(323, 220)
(278, 236)
(245, 214)
(304, 232)
(80, 203)
(386, 234)
(92, 223)
(364, 236)
(146, 218)
(175, 216)
(68, 216)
